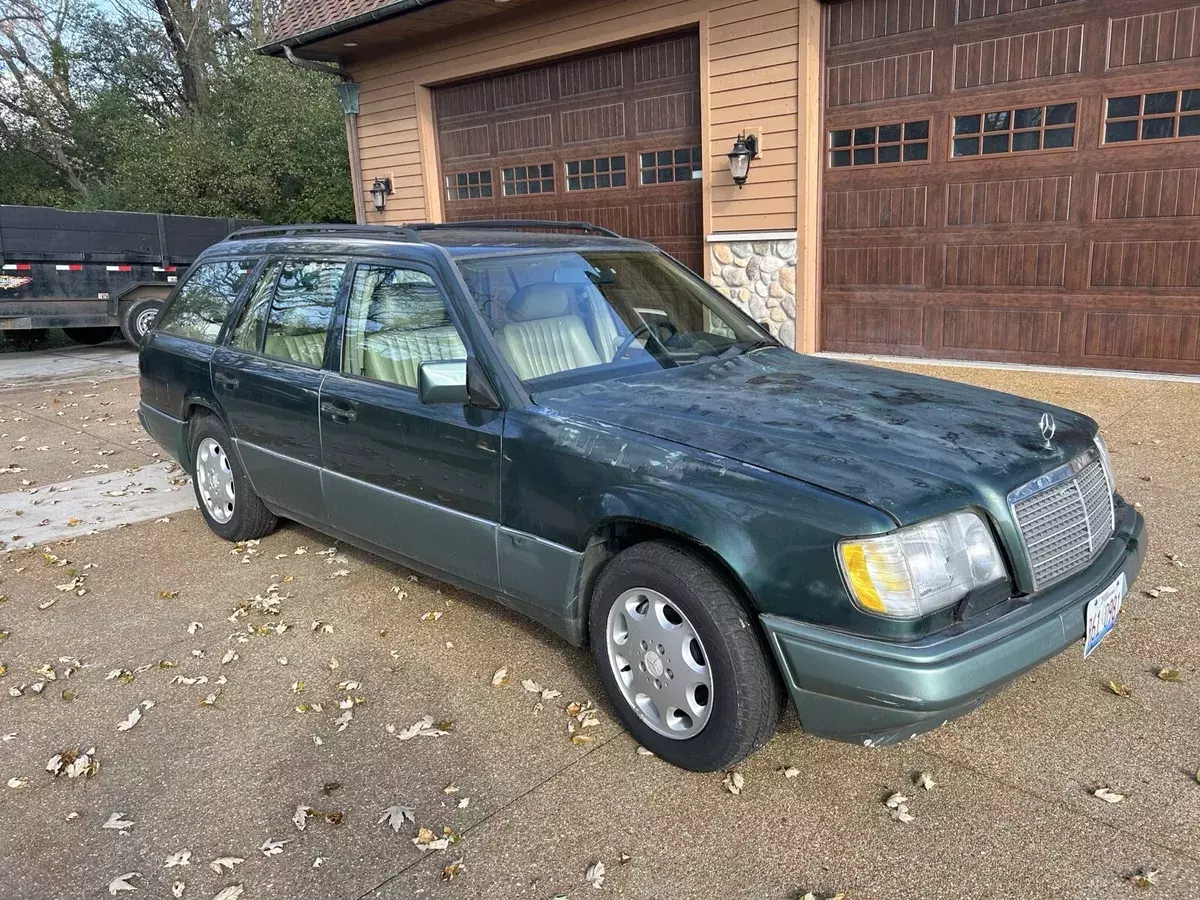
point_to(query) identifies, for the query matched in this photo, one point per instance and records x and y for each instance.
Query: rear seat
(304, 347)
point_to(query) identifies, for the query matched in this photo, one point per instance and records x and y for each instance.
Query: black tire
(746, 693)
(90, 337)
(138, 317)
(250, 519)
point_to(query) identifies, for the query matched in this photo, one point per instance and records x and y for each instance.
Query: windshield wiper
(743, 347)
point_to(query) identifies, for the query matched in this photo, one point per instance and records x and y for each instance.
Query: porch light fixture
(745, 148)
(379, 192)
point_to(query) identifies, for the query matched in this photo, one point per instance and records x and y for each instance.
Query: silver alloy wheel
(660, 663)
(145, 320)
(214, 479)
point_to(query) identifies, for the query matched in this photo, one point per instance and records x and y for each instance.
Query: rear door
(419, 480)
(268, 380)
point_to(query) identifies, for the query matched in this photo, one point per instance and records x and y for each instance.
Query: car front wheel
(681, 659)
(227, 501)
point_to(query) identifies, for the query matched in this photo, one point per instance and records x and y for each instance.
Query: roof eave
(341, 26)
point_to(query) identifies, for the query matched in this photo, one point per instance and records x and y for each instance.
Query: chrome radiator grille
(1065, 518)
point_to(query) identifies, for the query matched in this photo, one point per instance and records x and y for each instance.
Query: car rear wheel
(90, 337)
(227, 501)
(680, 658)
(139, 317)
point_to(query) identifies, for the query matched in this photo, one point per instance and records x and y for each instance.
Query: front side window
(879, 145)
(249, 325)
(1152, 117)
(592, 315)
(301, 311)
(1015, 130)
(204, 299)
(397, 319)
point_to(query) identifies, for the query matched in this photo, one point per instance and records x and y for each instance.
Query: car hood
(911, 445)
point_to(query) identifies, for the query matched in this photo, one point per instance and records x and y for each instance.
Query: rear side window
(305, 296)
(245, 333)
(204, 299)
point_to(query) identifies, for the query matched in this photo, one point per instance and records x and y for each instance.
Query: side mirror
(444, 381)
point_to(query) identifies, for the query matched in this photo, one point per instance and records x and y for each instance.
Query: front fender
(565, 478)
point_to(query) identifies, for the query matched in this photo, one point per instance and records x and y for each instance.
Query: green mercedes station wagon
(577, 426)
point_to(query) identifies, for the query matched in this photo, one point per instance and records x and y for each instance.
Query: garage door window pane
(916, 152)
(889, 153)
(522, 180)
(864, 136)
(839, 138)
(889, 134)
(995, 143)
(966, 146)
(916, 131)
(1027, 118)
(1119, 107)
(966, 124)
(1159, 103)
(597, 173)
(1059, 137)
(1157, 129)
(1026, 140)
(1191, 101)
(1062, 114)
(666, 166)
(1189, 126)
(998, 121)
(1118, 132)
(864, 157)
(839, 158)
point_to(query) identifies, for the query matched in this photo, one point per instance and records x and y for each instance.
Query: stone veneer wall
(760, 277)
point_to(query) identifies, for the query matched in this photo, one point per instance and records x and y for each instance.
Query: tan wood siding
(750, 79)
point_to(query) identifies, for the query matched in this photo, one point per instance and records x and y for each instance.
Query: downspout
(347, 91)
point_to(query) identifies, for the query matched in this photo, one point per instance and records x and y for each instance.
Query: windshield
(565, 318)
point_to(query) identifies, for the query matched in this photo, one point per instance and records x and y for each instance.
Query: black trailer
(90, 273)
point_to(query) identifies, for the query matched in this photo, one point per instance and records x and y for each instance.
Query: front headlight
(1106, 462)
(922, 568)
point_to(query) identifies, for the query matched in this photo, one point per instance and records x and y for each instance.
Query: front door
(268, 380)
(419, 480)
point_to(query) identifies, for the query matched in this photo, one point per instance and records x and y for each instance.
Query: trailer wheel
(90, 336)
(139, 317)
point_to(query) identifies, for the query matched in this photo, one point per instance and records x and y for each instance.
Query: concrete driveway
(279, 686)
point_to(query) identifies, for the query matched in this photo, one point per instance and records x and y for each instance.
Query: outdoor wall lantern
(745, 148)
(379, 192)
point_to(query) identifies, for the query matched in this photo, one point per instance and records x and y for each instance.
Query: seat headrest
(540, 301)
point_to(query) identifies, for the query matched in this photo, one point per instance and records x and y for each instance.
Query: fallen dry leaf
(500, 677)
(396, 816)
(1168, 674)
(1108, 795)
(230, 893)
(452, 871)
(789, 772)
(1121, 690)
(117, 822)
(182, 858)
(595, 875)
(734, 782)
(925, 780)
(272, 848)
(1144, 878)
(121, 883)
(225, 863)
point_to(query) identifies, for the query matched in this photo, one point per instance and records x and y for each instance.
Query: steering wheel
(628, 342)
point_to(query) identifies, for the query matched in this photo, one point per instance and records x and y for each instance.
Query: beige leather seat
(306, 347)
(413, 328)
(546, 337)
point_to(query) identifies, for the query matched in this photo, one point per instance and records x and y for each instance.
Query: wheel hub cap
(214, 480)
(660, 663)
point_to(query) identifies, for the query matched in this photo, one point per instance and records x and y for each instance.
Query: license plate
(1102, 613)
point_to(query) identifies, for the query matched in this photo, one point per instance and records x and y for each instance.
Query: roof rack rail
(283, 230)
(509, 224)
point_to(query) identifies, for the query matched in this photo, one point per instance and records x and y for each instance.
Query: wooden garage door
(611, 138)
(1014, 180)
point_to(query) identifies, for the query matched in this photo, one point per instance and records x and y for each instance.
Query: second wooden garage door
(612, 138)
(1014, 180)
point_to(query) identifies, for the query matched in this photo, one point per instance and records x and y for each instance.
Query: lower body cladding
(877, 692)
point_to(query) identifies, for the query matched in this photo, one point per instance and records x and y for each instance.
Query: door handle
(224, 380)
(339, 411)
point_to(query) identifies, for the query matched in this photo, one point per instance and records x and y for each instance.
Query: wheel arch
(618, 533)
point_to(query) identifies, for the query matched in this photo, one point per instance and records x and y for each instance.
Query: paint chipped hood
(908, 444)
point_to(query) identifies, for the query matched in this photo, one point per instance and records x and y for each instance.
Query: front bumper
(875, 692)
